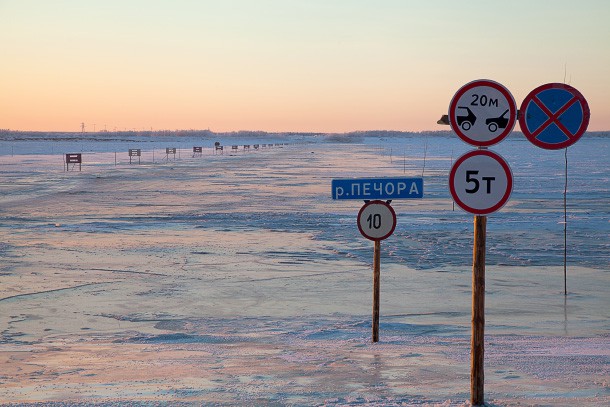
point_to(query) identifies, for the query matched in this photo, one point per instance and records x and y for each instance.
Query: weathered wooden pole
(477, 342)
(376, 289)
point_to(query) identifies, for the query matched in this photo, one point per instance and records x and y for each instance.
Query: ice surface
(235, 279)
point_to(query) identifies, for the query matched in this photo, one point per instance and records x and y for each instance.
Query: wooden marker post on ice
(376, 288)
(481, 183)
(376, 218)
(376, 221)
(136, 152)
(73, 159)
(481, 113)
(477, 340)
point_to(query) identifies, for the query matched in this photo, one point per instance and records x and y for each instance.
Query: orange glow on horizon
(314, 67)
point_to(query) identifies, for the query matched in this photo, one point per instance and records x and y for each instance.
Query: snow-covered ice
(235, 279)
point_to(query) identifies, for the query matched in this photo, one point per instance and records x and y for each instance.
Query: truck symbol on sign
(466, 122)
(497, 122)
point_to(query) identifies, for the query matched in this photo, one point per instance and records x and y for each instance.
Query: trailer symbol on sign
(482, 113)
(554, 116)
(480, 182)
(376, 220)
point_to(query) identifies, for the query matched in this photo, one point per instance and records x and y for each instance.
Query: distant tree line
(334, 137)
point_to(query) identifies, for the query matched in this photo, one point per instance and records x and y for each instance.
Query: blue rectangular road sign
(378, 188)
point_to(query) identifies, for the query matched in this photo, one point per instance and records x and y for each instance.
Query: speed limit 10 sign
(480, 182)
(376, 220)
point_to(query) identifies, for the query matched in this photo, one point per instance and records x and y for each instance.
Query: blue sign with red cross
(554, 116)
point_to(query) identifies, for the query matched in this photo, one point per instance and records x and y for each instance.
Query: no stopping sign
(376, 220)
(554, 116)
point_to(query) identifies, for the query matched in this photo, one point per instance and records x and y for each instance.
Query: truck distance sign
(482, 113)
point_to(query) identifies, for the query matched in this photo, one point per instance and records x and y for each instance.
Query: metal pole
(376, 289)
(425, 153)
(477, 342)
(565, 228)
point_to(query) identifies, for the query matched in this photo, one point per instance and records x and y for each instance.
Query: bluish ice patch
(332, 334)
(421, 240)
(179, 337)
(400, 328)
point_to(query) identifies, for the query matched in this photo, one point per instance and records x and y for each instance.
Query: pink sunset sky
(287, 65)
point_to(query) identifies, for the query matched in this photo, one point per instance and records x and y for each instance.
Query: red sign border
(571, 140)
(504, 165)
(376, 202)
(512, 110)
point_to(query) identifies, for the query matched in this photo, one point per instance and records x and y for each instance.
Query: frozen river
(235, 279)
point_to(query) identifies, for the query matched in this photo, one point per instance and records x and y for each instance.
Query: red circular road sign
(480, 182)
(376, 220)
(554, 116)
(482, 113)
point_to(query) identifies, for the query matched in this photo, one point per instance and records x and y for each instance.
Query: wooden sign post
(168, 151)
(136, 152)
(376, 288)
(376, 221)
(482, 113)
(480, 182)
(477, 341)
(74, 159)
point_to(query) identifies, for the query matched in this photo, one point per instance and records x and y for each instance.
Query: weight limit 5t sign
(480, 182)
